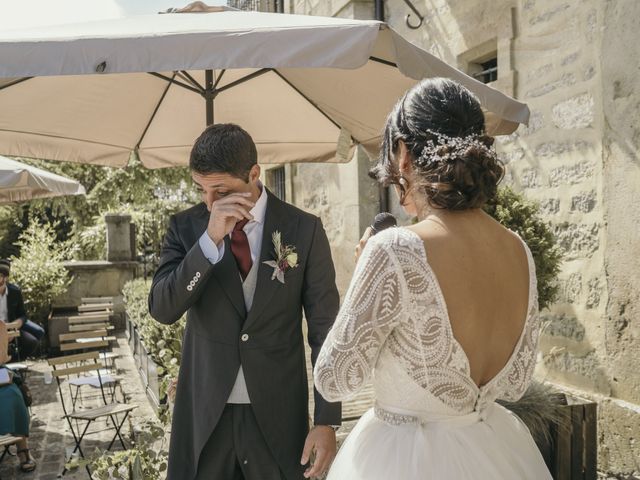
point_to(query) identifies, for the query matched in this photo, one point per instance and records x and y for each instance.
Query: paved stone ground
(50, 436)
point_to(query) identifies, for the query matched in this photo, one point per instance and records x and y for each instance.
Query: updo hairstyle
(442, 124)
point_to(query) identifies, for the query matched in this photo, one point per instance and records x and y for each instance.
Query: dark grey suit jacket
(272, 352)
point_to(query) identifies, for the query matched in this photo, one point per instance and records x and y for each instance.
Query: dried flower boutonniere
(286, 258)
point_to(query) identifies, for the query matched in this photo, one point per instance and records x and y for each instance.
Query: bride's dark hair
(442, 124)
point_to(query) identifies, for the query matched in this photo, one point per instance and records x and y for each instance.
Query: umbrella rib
(311, 102)
(192, 80)
(172, 80)
(155, 110)
(219, 78)
(244, 79)
(384, 62)
(15, 82)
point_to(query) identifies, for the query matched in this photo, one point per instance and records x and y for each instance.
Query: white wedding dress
(430, 421)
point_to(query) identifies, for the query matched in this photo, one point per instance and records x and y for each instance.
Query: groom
(241, 409)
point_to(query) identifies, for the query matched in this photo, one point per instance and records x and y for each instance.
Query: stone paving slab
(50, 436)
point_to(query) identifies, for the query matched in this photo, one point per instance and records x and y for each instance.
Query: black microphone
(382, 221)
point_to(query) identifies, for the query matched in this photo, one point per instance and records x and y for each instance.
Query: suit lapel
(275, 219)
(226, 270)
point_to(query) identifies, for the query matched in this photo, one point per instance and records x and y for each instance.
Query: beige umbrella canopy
(20, 182)
(306, 88)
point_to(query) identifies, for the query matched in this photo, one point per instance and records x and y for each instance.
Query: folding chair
(13, 334)
(94, 300)
(80, 323)
(5, 442)
(91, 336)
(90, 340)
(96, 307)
(107, 411)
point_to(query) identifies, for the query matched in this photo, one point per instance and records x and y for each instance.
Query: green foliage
(522, 216)
(163, 342)
(150, 196)
(11, 224)
(39, 270)
(145, 460)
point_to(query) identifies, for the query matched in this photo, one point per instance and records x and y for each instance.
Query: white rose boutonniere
(286, 258)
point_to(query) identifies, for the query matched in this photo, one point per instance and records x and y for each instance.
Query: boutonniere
(286, 258)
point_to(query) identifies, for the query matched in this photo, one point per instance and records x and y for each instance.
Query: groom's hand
(321, 441)
(226, 212)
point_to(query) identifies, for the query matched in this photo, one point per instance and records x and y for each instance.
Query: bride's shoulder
(396, 239)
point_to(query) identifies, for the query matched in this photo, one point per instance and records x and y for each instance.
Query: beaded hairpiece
(446, 148)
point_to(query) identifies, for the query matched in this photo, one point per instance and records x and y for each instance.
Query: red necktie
(240, 249)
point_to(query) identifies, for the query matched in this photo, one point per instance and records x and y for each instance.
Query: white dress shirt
(4, 312)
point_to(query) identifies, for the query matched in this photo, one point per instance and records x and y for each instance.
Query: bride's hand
(321, 441)
(363, 241)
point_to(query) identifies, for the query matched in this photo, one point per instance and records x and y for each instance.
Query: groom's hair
(224, 148)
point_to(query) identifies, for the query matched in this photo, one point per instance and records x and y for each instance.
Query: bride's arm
(372, 308)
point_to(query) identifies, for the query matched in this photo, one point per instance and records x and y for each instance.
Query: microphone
(382, 221)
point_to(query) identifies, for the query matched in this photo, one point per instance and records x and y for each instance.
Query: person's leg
(253, 453)
(27, 464)
(218, 458)
(27, 344)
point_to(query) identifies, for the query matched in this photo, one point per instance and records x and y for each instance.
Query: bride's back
(482, 270)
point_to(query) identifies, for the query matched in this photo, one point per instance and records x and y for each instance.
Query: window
(481, 62)
(276, 182)
(488, 71)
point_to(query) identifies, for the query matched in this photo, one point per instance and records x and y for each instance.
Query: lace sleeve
(371, 309)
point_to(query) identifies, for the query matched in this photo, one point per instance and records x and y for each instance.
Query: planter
(153, 385)
(147, 368)
(136, 347)
(143, 368)
(572, 454)
(128, 330)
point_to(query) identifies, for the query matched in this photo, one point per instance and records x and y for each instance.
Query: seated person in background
(12, 311)
(15, 416)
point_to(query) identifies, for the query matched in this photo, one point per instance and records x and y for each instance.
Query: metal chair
(84, 418)
(94, 340)
(5, 442)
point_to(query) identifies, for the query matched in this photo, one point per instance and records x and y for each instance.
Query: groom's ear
(254, 173)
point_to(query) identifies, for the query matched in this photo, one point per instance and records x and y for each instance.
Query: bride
(443, 314)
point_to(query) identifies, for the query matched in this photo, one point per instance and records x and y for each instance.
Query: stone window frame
(501, 46)
(286, 172)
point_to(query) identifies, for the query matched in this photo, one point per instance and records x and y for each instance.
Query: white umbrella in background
(20, 182)
(306, 88)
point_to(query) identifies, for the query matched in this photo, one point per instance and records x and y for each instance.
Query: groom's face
(214, 186)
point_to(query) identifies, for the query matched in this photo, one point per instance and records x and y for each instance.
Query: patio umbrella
(306, 88)
(19, 182)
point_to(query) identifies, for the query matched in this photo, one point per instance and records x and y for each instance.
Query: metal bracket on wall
(415, 10)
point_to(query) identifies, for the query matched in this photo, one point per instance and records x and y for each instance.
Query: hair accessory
(447, 148)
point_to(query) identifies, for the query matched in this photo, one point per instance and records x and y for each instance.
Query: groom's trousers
(237, 450)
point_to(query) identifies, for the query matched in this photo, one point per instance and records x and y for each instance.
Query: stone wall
(618, 23)
(575, 63)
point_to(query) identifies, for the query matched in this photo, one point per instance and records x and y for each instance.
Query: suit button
(189, 287)
(244, 337)
(197, 274)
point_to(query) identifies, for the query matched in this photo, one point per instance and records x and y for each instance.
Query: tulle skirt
(497, 446)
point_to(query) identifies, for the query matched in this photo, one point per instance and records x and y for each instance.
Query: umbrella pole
(209, 95)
